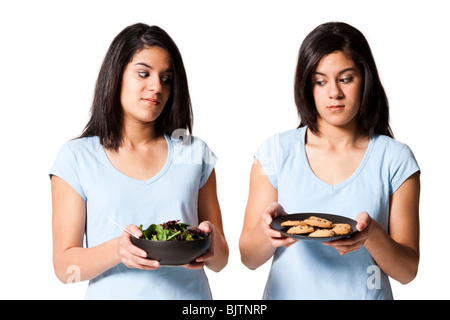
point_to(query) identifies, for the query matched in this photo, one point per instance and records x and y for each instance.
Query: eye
(143, 74)
(346, 79)
(166, 79)
(320, 83)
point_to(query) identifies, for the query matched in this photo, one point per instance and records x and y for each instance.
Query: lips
(335, 107)
(152, 102)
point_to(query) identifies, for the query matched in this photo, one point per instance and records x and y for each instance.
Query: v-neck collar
(346, 181)
(150, 180)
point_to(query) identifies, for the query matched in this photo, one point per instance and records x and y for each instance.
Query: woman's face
(337, 86)
(146, 85)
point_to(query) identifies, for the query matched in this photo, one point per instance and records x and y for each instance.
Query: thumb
(206, 226)
(363, 219)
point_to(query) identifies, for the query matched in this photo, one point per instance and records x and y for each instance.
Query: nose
(154, 84)
(335, 91)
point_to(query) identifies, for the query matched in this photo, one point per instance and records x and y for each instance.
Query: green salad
(173, 230)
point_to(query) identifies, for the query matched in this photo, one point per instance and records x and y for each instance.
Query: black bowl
(173, 253)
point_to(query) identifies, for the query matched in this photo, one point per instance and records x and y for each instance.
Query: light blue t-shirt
(308, 269)
(172, 194)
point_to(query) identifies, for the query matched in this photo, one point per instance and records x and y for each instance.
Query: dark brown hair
(106, 120)
(373, 114)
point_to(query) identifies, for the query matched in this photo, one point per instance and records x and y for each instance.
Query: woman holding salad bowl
(130, 164)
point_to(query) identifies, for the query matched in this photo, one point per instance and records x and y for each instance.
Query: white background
(240, 58)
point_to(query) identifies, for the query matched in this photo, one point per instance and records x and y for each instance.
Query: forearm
(256, 242)
(79, 264)
(255, 248)
(398, 261)
(221, 252)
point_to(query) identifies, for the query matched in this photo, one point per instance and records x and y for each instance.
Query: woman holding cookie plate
(343, 160)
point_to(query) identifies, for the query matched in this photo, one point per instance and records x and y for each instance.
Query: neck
(336, 136)
(136, 135)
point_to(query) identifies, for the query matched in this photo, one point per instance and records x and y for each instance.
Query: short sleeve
(267, 155)
(65, 167)
(209, 160)
(403, 166)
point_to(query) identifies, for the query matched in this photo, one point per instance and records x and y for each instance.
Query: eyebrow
(340, 72)
(150, 67)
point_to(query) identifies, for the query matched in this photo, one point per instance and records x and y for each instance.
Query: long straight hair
(373, 114)
(106, 119)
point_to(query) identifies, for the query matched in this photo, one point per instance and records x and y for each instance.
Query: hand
(200, 261)
(276, 238)
(364, 224)
(132, 256)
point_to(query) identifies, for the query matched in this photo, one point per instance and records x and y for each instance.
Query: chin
(150, 115)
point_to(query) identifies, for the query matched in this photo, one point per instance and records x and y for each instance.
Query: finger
(362, 221)
(266, 221)
(346, 249)
(206, 256)
(128, 247)
(141, 263)
(134, 257)
(354, 239)
(134, 260)
(274, 209)
(285, 242)
(194, 265)
(344, 246)
(134, 230)
(205, 226)
(268, 231)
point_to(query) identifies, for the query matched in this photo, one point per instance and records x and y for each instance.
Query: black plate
(276, 224)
